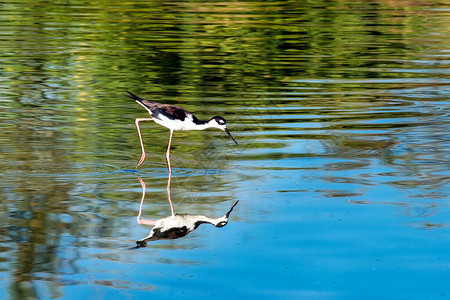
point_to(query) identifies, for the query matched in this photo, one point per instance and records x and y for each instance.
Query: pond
(340, 179)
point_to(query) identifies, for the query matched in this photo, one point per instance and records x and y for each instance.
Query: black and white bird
(174, 118)
(179, 225)
(176, 225)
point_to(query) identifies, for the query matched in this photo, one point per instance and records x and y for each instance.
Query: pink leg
(168, 152)
(140, 138)
(168, 194)
(139, 220)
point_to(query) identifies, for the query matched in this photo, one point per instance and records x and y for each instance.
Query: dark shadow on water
(176, 225)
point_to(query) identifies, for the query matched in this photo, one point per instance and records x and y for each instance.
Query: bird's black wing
(156, 109)
(170, 111)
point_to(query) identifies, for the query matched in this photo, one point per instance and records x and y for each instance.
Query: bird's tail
(134, 97)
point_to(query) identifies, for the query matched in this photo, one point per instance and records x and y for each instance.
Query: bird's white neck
(201, 125)
(205, 126)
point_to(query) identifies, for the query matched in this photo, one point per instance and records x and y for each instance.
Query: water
(342, 115)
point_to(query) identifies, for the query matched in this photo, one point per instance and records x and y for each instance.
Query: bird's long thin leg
(139, 220)
(168, 151)
(140, 138)
(168, 194)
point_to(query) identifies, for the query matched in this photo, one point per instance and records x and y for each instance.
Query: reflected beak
(229, 134)
(231, 209)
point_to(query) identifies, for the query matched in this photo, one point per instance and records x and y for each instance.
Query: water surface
(341, 112)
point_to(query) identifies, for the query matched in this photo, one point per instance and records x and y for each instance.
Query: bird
(175, 118)
(179, 225)
(176, 225)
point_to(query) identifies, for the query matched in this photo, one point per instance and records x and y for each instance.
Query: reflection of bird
(177, 225)
(180, 225)
(174, 118)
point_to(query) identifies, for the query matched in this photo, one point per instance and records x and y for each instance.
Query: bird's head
(221, 222)
(219, 122)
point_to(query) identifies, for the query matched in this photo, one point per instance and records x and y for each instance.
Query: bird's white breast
(175, 124)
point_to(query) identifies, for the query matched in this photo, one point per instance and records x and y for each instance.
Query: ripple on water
(123, 284)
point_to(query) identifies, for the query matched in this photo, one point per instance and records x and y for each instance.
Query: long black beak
(231, 209)
(229, 134)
